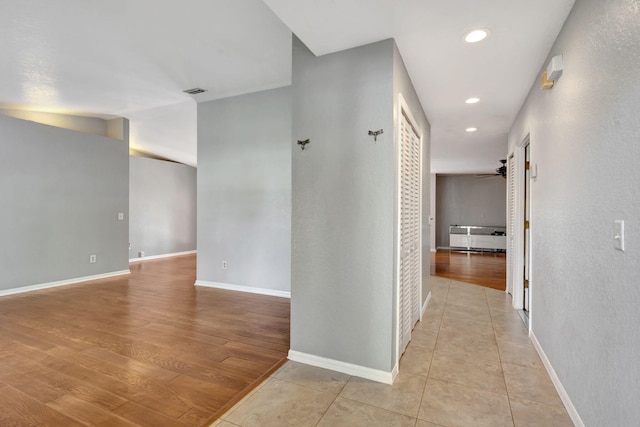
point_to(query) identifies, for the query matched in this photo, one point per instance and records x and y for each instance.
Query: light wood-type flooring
(484, 269)
(147, 349)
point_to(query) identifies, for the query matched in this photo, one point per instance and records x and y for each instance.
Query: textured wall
(343, 205)
(467, 200)
(162, 207)
(244, 190)
(60, 193)
(585, 137)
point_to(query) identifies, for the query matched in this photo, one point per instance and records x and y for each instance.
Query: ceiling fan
(501, 171)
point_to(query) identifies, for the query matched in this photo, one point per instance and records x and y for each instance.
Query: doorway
(526, 187)
(409, 248)
(519, 228)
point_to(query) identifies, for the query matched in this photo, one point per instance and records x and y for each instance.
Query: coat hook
(303, 143)
(375, 134)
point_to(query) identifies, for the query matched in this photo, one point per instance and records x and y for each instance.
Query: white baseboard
(228, 287)
(564, 396)
(147, 258)
(424, 306)
(434, 250)
(394, 372)
(344, 367)
(32, 288)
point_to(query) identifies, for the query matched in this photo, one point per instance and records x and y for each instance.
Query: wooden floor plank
(484, 269)
(85, 412)
(19, 408)
(143, 416)
(144, 349)
(46, 384)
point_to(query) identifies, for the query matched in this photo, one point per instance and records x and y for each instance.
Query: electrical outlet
(92, 259)
(120, 216)
(224, 265)
(141, 254)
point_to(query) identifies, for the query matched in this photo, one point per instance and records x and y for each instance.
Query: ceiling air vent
(194, 91)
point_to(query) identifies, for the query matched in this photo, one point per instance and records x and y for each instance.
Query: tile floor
(469, 363)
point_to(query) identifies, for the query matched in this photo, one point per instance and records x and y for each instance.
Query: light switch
(619, 235)
(120, 216)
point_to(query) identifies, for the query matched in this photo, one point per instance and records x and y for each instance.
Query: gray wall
(162, 207)
(343, 205)
(60, 193)
(585, 136)
(468, 200)
(344, 199)
(244, 190)
(402, 85)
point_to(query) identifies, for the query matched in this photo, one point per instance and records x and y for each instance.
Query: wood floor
(485, 269)
(148, 349)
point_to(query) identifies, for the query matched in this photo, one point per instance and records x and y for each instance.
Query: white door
(410, 257)
(511, 221)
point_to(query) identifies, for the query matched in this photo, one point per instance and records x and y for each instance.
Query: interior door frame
(404, 107)
(526, 235)
(517, 277)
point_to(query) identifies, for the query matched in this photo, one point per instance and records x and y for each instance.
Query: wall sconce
(552, 73)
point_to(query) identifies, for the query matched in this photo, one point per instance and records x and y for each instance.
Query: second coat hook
(375, 133)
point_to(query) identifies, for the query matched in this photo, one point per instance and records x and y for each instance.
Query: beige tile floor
(469, 363)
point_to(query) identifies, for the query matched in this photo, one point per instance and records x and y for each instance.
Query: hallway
(470, 363)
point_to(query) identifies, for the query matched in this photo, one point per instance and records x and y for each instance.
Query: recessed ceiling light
(471, 129)
(472, 100)
(475, 36)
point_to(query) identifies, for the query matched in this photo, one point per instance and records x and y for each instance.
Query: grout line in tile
(307, 387)
(431, 363)
(333, 401)
(384, 409)
(504, 378)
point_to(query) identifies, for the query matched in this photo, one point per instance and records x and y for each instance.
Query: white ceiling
(134, 57)
(444, 69)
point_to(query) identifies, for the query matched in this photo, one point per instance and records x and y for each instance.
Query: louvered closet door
(511, 223)
(410, 257)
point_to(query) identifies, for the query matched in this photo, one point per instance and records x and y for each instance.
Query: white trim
(146, 258)
(248, 289)
(424, 306)
(403, 106)
(517, 288)
(344, 367)
(48, 285)
(564, 396)
(434, 250)
(394, 372)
